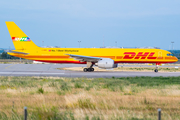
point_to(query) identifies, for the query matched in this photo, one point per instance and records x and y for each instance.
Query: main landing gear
(89, 67)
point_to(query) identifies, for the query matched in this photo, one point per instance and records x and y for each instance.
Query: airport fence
(26, 113)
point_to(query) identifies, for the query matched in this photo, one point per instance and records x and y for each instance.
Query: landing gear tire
(156, 70)
(92, 69)
(85, 69)
(88, 69)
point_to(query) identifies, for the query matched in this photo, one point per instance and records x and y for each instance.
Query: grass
(125, 98)
(40, 90)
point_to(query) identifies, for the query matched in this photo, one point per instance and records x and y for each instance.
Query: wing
(85, 58)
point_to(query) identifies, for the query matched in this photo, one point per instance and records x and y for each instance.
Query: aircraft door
(159, 54)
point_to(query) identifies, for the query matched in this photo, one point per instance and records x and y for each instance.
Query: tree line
(4, 55)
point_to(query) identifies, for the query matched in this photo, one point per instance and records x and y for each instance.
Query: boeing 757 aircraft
(106, 58)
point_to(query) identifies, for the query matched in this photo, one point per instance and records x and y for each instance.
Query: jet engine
(106, 63)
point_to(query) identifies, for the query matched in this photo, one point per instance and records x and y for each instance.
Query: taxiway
(51, 70)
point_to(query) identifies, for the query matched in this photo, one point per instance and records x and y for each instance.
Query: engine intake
(106, 63)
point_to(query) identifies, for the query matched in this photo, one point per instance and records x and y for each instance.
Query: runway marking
(27, 73)
(9, 66)
(45, 73)
(5, 72)
(52, 73)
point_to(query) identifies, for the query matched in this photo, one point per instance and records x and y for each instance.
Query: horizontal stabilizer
(18, 52)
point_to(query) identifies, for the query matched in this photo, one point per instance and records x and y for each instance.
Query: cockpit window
(170, 54)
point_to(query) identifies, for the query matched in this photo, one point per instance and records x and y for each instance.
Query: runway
(51, 70)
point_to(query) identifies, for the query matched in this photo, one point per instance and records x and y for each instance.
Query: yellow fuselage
(119, 55)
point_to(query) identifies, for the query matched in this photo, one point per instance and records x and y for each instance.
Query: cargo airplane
(106, 58)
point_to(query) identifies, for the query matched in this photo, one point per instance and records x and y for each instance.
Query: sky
(96, 23)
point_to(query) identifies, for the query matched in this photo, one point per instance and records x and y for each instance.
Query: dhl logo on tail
(21, 39)
(140, 55)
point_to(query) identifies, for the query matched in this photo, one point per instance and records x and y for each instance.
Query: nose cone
(175, 58)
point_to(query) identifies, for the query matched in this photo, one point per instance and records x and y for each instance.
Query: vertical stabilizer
(20, 40)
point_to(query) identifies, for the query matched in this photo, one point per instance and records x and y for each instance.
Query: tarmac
(51, 70)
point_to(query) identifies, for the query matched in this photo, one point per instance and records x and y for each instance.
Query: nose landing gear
(156, 70)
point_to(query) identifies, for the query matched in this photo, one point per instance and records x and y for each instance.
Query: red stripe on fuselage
(143, 62)
(54, 61)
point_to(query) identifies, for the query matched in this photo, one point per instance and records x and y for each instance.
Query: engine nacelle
(106, 63)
